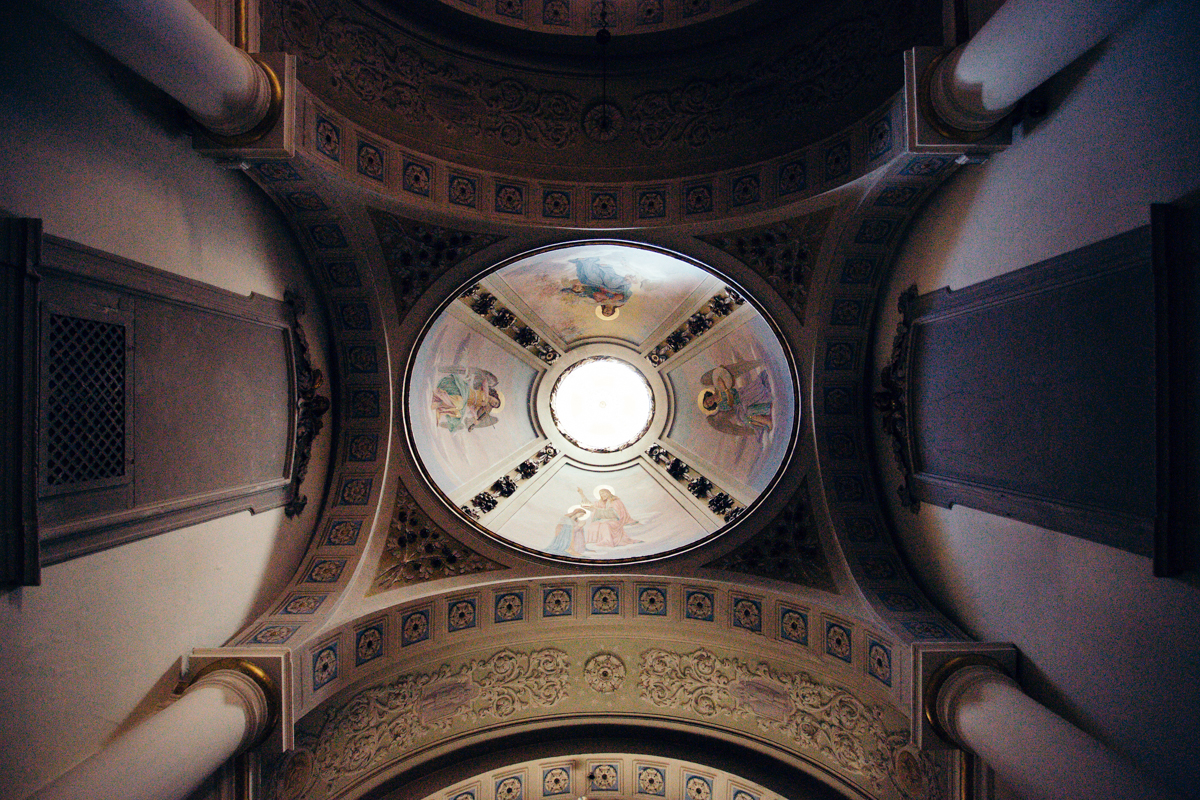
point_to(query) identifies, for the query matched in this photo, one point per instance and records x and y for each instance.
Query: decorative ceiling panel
(498, 105)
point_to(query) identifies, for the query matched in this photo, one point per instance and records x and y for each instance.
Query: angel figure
(467, 398)
(737, 398)
(606, 527)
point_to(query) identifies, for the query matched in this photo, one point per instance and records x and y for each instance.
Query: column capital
(934, 663)
(269, 669)
(256, 689)
(927, 131)
(950, 682)
(274, 135)
(954, 107)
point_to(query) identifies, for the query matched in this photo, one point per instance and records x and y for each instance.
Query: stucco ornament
(604, 672)
(382, 722)
(827, 722)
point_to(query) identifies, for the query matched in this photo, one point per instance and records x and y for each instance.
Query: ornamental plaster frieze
(497, 609)
(564, 18)
(757, 98)
(832, 725)
(406, 172)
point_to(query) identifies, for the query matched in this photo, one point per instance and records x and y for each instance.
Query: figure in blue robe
(600, 283)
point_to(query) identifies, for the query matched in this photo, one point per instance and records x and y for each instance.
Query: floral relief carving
(783, 253)
(418, 550)
(416, 253)
(368, 62)
(786, 550)
(825, 720)
(382, 722)
(604, 672)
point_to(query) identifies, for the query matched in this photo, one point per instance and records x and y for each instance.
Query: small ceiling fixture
(603, 121)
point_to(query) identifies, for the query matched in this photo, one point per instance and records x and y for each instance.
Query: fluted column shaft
(1020, 47)
(169, 755)
(1032, 749)
(172, 45)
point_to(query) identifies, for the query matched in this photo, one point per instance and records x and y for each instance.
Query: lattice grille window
(85, 401)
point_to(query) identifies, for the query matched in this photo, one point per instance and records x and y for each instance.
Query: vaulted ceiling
(760, 145)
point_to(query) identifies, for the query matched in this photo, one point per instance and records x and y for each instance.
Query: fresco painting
(737, 398)
(468, 402)
(742, 392)
(602, 515)
(467, 398)
(578, 292)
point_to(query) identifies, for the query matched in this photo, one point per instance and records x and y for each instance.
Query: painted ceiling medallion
(611, 450)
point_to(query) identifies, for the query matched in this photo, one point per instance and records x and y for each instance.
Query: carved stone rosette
(717, 308)
(720, 502)
(506, 485)
(505, 321)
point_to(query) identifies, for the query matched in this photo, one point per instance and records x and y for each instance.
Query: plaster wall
(1104, 643)
(105, 160)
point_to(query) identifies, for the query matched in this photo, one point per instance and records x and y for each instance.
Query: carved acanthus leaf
(891, 400)
(418, 550)
(310, 406)
(827, 721)
(783, 253)
(382, 722)
(416, 253)
(788, 549)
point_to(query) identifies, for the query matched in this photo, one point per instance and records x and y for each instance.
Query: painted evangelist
(609, 290)
(461, 401)
(628, 516)
(604, 454)
(740, 402)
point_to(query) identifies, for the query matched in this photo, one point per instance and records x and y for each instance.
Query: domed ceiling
(601, 401)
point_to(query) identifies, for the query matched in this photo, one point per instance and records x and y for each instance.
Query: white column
(169, 755)
(1032, 749)
(1019, 48)
(172, 45)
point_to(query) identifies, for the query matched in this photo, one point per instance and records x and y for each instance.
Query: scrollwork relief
(310, 406)
(369, 61)
(382, 722)
(828, 722)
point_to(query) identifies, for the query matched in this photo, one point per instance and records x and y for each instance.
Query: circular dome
(601, 402)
